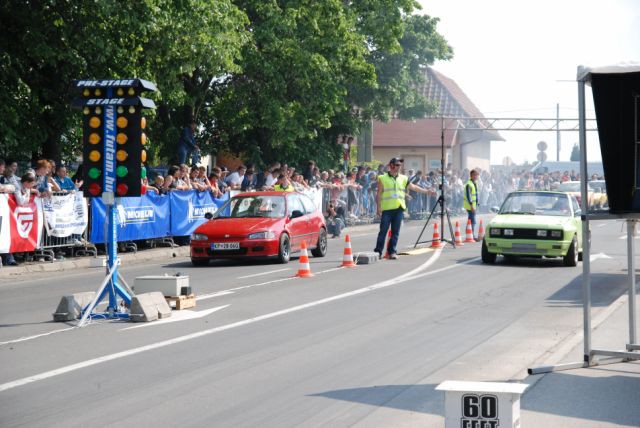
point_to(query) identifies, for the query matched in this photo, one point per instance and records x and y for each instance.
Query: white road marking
(625, 237)
(23, 339)
(263, 273)
(212, 295)
(177, 316)
(593, 257)
(88, 363)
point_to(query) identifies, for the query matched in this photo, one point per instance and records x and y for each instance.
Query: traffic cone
(386, 255)
(457, 239)
(347, 258)
(436, 243)
(304, 271)
(469, 232)
(480, 231)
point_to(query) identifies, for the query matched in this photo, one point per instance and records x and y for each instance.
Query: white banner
(65, 215)
(5, 225)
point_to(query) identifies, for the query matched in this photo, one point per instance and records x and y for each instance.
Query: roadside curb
(79, 263)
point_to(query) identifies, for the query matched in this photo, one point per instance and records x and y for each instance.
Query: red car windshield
(253, 206)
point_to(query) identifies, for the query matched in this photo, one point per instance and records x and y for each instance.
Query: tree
(575, 153)
(317, 70)
(47, 44)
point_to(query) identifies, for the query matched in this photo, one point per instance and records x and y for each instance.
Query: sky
(518, 58)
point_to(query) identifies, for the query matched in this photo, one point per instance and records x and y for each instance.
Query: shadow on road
(413, 398)
(604, 395)
(605, 289)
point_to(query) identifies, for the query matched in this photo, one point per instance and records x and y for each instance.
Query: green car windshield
(537, 203)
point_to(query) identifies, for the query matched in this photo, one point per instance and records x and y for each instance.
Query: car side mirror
(494, 210)
(578, 213)
(208, 216)
(296, 214)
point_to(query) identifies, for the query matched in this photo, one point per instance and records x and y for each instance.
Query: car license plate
(523, 247)
(225, 246)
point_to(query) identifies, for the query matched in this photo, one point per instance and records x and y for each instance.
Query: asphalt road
(348, 347)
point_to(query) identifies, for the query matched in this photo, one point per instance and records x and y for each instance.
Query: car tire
(200, 262)
(571, 258)
(487, 257)
(321, 246)
(284, 250)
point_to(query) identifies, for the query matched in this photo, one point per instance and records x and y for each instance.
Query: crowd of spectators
(348, 197)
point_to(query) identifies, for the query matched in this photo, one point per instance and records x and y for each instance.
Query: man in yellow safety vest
(392, 188)
(470, 201)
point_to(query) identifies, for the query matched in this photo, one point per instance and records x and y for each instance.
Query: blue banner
(145, 217)
(188, 210)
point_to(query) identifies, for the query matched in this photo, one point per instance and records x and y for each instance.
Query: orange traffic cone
(347, 258)
(469, 237)
(435, 243)
(457, 239)
(304, 271)
(480, 231)
(386, 255)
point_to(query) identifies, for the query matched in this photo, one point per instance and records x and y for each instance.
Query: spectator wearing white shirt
(234, 180)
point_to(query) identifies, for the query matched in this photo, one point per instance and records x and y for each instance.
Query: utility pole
(558, 132)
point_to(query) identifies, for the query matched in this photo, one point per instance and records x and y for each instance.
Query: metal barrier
(52, 246)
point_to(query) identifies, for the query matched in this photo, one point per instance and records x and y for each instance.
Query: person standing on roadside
(187, 142)
(391, 203)
(470, 201)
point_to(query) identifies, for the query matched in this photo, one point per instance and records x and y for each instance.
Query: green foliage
(266, 79)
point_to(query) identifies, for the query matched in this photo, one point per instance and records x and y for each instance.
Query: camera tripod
(443, 212)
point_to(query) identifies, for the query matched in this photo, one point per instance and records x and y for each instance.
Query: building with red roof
(418, 142)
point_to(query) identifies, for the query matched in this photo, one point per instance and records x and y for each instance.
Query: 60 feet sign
(479, 411)
(481, 404)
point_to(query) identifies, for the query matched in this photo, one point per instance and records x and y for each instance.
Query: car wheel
(321, 246)
(284, 251)
(487, 257)
(200, 262)
(571, 258)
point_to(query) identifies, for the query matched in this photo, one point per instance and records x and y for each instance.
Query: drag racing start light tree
(114, 139)
(114, 148)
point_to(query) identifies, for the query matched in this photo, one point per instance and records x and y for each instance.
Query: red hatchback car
(260, 224)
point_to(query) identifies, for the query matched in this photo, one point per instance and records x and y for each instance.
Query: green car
(538, 224)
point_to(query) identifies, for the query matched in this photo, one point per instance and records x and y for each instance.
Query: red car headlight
(199, 237)
(269, 234)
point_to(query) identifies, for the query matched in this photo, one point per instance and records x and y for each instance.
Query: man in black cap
(390, 198)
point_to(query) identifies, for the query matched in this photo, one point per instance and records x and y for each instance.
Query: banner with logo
(25, 225)
(5, 236)
(65, 215)
(145, 217)
(188, 210)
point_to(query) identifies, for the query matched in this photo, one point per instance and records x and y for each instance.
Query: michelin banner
(65, 215)
(145, 217)
(188, 210)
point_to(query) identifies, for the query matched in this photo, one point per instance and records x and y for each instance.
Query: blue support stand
(112, 286)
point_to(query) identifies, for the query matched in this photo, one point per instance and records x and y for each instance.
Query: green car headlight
(494, 231)
(508, 232)
(556, 234)
(541, 233)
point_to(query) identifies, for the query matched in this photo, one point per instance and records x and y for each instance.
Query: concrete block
(147, 307)
(101, 262)
(70, 306)
(164, 310)
(365, 258)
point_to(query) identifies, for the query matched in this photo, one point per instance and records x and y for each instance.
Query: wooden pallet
(182, 302)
